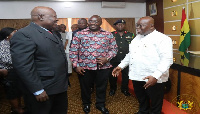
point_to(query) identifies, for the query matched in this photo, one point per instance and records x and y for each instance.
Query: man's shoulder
(27, 29)
(157, 33)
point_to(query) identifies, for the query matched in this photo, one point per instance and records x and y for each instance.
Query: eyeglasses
(93, 21)
(140, 26)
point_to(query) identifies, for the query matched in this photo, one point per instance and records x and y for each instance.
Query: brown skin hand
(151, 81)
(80, 70)
(42, 97)
(3, 72)
(116, 71)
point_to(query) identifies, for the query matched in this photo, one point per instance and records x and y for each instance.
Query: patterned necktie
(49, 32)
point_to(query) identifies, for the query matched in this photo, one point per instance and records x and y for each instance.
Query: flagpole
(187, 17)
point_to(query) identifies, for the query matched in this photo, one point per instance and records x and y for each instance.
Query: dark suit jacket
(39, 59)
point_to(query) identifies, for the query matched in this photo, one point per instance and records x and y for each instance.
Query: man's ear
(40, 17)
(152, 26)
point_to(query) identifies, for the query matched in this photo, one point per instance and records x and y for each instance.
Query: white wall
(22, 9)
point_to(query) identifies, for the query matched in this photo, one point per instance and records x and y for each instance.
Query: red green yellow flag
(184, 41)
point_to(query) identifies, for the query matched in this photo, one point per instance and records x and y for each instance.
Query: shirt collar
(41, 27)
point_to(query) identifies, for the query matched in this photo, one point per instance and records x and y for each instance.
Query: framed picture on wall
(153, 9)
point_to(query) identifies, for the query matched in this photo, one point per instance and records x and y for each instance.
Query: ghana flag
(184, 41)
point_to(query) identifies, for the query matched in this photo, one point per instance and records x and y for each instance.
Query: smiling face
(145, 25)
(50, 19)
(94, 23)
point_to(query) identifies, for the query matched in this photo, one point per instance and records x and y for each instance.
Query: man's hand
(102, 60)
(116, 71)
(80, 70)
(42, 97)
(151, 81)
(3, 72)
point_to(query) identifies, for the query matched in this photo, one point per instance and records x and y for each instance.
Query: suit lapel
(51, 37)
(46, 33)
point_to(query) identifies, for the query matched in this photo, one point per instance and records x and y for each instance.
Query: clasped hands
(100, 61)
(151, 80)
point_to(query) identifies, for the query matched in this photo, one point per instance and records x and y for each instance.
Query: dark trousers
(57, 104)
(150, 97)
(125, 79)
(100, 79)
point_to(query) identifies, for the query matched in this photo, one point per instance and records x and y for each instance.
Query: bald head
(44, 16)
(148, 19)
(145, 25)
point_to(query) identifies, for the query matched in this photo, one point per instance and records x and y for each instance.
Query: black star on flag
(182, 57)
(183, 33)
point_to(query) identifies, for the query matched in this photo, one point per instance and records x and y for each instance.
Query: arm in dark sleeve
(23, 53)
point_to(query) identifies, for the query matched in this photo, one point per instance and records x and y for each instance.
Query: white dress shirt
(150, 55)
(69, 38)
(63, 35)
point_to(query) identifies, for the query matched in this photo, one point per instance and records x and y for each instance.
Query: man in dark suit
(39, 59)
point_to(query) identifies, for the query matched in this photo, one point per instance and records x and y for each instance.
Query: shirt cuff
(38, 92)
(121, 66)
(157, 74)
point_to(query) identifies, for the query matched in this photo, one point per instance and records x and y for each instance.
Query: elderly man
(149, 58)
(39, 59)
(90, 52)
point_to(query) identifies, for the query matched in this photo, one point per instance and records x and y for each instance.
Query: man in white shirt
(63, 33)
(74, 27)
(150, 57)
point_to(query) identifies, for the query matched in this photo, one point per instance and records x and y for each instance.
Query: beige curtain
(75, 20)
(63, 21)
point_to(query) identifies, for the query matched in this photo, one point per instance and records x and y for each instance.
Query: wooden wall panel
(194, 27)
(173, 92)
(192, 0)
(168, 3)
(194, 61)
(175, 39)
(158, 19)
(168, 13)
(14, 23)
(193, 10)
(177, 58)
(195, 43)
(168, 28)
(190, 86)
